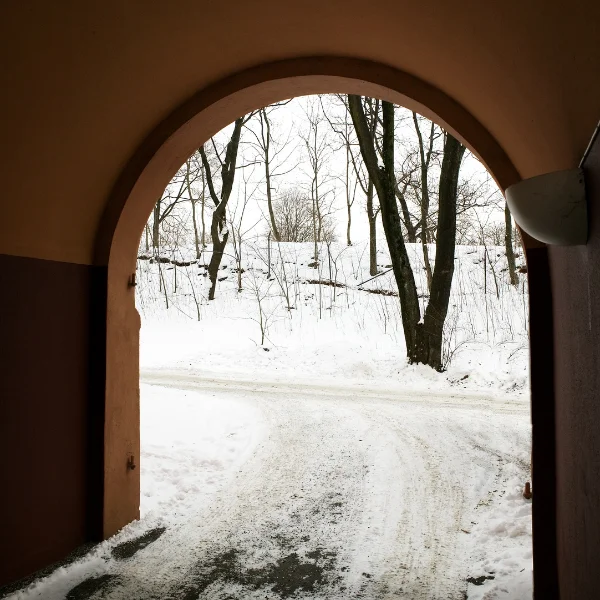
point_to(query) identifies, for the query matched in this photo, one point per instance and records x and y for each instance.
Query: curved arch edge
(150, 169)
(223, 101)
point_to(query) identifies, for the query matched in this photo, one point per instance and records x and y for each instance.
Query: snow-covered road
(342, 492)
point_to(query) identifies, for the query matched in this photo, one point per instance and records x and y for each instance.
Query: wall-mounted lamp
(552, 207)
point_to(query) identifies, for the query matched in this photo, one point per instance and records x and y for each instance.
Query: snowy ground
(316, 463)
(268, 491)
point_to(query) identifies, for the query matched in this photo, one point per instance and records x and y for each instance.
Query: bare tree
(372, 109)
(269, 151)
(318, 152)
(472, 196)
(261, 290)
(437, 307)
(265, 138)
(423, 337)
(384, 182)
(203, 206)
(236, 220)
(508, 244)
(403, 185)
(165, 206)
(294, 215)
(199, 239)
(425, 154)
(344, 130)
(372, 213)
(350, 196)
(363, 177)
(218, 229)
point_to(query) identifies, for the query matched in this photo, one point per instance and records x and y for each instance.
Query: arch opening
(151, 168)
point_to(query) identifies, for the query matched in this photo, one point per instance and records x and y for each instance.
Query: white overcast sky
(288, 124)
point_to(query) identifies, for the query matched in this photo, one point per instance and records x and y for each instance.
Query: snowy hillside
(348, 331)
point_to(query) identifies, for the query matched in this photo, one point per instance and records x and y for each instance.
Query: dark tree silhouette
(218, 229)
(423, 336)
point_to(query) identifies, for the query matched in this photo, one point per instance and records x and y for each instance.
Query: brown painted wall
(50, 410)
(576, 290)
(90, 80)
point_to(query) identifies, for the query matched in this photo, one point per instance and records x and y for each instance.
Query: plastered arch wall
(175, 138)
(153, 165)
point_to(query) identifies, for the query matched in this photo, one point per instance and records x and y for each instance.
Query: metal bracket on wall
(551, 208)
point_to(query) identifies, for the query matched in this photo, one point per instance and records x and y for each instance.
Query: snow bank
(501, 545)
(190, 446)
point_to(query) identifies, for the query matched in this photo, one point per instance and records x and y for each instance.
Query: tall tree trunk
(508, 243)
(266, 141)
(193, 203)
(317, 199)
(269, 255)
(348, 201)
(239, 269)
(423, 339)
(426, 261)
(411, 230)
(218, 247)
(315, 230)
(313, 155)
(218, 229)
(372, 122)
(425, 159)
(384, 181)
(270, 204)
(156, 226)
(203, 204)
(348, 238)
(372, 215)
(196, 234)
(430, 350)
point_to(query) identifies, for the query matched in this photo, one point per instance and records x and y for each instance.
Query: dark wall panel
(576, 291)
(542, 420)
(51, 418)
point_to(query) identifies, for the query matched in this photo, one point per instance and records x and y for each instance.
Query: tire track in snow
(424, 503)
